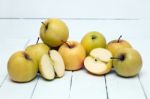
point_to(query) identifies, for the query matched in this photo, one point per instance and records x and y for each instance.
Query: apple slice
(58, 63)
(99, 61)
(46, 68)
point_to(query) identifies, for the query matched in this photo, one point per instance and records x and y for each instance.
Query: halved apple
(46, 68)
(99, 61)
(58, 63)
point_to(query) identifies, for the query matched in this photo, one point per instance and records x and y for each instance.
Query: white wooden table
(19, 27)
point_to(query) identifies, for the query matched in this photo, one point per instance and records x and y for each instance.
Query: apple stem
(37, 40)
(119, 38)
(66, 43)
(114, 58)
(44, 25)
(93, 37)
(121, 57)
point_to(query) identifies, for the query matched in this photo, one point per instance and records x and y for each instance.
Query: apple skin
(114, 45)
(53, 32)
(73, 56)
(130, 65)
(21, 67)
(36, 51)
(93, 40)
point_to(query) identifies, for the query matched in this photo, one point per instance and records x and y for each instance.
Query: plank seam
(106, 86)
(142, 87)
(4, 80)
(70, 85)
(34, 87)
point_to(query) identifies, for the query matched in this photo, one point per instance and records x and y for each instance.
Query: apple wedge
(46, 68)
(58, 63)
(99, 61)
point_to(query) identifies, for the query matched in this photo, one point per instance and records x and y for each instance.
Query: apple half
(99, 61)
(58, 63)
(52, 65)
(46, 68)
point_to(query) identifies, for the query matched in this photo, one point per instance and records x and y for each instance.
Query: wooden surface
(19, 27)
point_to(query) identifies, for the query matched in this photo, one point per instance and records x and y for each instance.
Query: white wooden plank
(73, 9)
(124, 88)
(144, 76)
(12, 90)
(87, 86)
(9, 46)
(58, 88)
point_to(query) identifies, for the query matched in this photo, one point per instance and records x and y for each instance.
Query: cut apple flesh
(99, 61)
(58, 63)
(46, 68)
(94, 66)
(102, 54)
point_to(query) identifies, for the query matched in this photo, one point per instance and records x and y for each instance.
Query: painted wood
(144, 76)
(87, 86)
(58, 88)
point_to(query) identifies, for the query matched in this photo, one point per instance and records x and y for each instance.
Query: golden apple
(127, 62)
(53, 32)
(93, 40)
(73, 55)
(37, 50)
(21, 67)
(114, 45)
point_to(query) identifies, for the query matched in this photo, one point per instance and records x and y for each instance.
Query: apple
(127, 62)
(46, 68)
(37, 50)
(93, 40)
(73, 55)
(53, 32)
(114, 45)
(57, 62)
(99, 61)
(52, 65)
(21, 67)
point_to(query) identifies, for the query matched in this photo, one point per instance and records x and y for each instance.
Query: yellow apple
(53, 32)
(73, 55)
(114, 45)
(93, 40)
(127, 62)
(37, 50)
(21, 67)
(99, 61)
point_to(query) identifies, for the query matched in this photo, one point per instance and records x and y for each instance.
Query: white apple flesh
(58, 63)
(99, 61)
(46, 68)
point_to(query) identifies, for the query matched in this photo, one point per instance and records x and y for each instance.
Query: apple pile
(56, 54)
